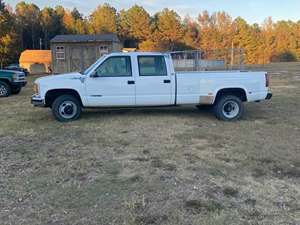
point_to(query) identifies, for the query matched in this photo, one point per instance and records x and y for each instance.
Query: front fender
(71, 85)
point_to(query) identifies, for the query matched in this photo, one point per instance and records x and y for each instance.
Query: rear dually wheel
(229, 108)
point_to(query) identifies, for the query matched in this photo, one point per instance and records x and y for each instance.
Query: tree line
(29, 27)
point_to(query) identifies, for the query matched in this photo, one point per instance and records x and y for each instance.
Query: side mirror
(94, 74)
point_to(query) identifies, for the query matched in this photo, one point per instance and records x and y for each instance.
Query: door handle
(131, 82)
(167, 81)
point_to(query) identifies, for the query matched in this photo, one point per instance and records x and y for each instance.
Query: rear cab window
(152, 66)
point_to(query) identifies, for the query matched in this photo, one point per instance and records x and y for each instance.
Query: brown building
(76, 52)
(36, 61)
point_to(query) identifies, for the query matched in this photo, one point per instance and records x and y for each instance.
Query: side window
(119, 66)
(60, 52)
(152, 66)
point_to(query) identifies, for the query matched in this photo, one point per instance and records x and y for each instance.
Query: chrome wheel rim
(230, 109)
(67, 109)
(3, 90)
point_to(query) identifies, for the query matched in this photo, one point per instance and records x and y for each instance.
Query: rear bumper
(269, 96)
(37, 101)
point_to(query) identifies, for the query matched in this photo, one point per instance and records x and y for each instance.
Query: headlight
(15, 76)
(36, 88)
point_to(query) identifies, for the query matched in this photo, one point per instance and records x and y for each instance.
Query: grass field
(153, 166)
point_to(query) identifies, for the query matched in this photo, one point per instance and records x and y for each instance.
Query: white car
(148, 79)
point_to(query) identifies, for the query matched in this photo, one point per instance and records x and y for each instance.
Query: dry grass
(153, 166)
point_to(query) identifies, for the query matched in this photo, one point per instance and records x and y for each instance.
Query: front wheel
(5, 89)
(229, 108)
(66, 108)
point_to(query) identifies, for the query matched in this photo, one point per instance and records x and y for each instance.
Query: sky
(254, 11)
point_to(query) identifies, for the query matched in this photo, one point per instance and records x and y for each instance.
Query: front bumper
(19, 84)
(37, 101)
(269, 96)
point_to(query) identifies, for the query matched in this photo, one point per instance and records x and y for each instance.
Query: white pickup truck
(148, 79)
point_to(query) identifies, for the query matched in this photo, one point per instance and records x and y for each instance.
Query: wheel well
(238, 92)
(53, 94)
(5, 81)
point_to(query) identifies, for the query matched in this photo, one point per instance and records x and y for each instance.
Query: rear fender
(233, 91)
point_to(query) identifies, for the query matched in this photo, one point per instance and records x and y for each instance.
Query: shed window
(103, 50)
(60, 52)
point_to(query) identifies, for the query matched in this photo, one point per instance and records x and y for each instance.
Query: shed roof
(85, 38)
(35, 56)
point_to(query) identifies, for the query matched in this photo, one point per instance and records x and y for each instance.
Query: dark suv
(11, 82)
(16, 67)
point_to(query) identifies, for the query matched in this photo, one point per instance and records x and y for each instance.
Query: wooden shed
(36, 61)
(77, 52)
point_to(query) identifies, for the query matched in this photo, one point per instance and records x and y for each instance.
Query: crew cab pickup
(11, 82)
(148, 79)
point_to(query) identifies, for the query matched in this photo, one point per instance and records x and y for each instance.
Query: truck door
(153, 82)
(112, 83)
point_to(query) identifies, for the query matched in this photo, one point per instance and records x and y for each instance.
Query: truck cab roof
(136, 53)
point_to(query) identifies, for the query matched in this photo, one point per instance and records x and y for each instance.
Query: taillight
(267, 80)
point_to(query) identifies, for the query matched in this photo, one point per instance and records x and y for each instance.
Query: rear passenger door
(153, 81)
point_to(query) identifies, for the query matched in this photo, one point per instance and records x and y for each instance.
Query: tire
(229, 108)
(66, 108)
(5, 89)
(16, 90)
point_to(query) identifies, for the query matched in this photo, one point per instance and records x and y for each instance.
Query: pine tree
(191, 33)
(169, 28)
(103, 20)
(135, 23)
(8, 37)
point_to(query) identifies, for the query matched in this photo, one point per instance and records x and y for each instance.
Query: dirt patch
(230, 191)
(151, 219)
(199, 205)
(158, 163)
(289, 172)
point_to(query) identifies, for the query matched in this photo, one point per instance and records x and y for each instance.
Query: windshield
(91, 68)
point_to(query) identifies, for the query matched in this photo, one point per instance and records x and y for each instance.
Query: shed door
(89, 56)
(82, 57)
(75, 59)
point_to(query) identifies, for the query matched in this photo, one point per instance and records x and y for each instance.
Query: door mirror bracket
(94, 74)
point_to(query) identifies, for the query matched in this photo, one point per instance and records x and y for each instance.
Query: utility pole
(41, 44)
(232, 54)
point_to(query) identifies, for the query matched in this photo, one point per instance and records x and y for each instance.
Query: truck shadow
(152, 111)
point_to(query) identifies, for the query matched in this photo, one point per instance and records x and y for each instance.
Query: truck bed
(191, 85)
